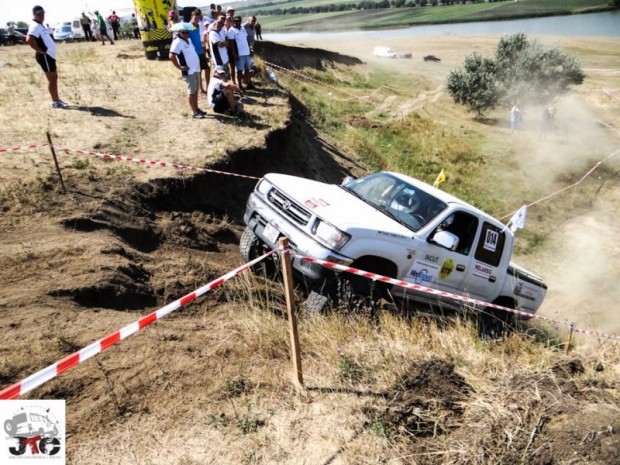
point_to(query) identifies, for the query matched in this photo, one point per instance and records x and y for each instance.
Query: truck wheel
(355, 294)
(315, 304)
(250, 247)
(495, 323)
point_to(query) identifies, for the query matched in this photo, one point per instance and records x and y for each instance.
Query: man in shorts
(242, 50)
(184, 57)
(40, 40)
(221, 93)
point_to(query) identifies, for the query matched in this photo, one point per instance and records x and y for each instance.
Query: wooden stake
(570, 336)
(62, 183)
(287, 273)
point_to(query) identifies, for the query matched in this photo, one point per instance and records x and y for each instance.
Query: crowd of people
(213, 53)
(218, 46)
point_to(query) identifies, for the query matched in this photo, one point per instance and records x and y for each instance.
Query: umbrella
(176, 27)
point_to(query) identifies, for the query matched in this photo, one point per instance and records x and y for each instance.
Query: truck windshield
(408, 204)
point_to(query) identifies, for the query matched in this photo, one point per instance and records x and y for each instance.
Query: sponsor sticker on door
(33, 431)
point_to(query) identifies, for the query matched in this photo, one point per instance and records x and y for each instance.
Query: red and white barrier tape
(23, 148)
(164, 164)
(430, 290)
(553, 194)
(52, 371)
(366, 99)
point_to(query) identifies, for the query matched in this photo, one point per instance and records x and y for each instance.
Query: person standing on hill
(259, 31)
(184, 57)
(115, 22)
(40, 40)
(195, 37)
(103, 29)
(85, 23)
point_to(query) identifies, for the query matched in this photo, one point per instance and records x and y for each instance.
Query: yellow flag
(440, 178)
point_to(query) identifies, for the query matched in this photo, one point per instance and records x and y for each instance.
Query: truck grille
(289, 207)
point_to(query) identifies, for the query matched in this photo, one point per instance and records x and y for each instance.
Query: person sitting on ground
(221, 93)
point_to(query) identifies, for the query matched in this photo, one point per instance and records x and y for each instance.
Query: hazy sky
(64, 10)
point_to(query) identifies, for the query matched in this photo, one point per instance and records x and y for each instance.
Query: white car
(385, 52)
(69, 31)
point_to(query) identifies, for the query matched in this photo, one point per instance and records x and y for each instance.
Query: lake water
(594, 24)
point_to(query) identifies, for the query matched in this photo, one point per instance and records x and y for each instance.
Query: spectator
(195, 37)
(85, 23)
(548, 120)
(115, 22)
(41, 41)
(134, 26)
(173, 18)
(221, 93)
(515, 117)
(232, 52)
(184, 57)
(218, 43)
(259, 31)
(103, 29)
(250, 29)
(242, 51)
(230, 11)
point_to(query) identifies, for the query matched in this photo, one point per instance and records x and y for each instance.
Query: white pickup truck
(396, 226)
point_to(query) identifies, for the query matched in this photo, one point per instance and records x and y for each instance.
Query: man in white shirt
(242, 49)
(40, 40)
(184, 57)
(221, 93)
(219, 43)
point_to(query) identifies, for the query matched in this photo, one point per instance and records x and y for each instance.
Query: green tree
(475, 86)
(522, 70)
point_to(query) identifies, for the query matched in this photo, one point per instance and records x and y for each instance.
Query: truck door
(485, 276)
(442, 268)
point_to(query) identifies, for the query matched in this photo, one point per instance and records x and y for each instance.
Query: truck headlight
(263, 187)
(332, 236)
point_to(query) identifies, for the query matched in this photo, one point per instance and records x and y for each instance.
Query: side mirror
(347, 180)
(446, 239)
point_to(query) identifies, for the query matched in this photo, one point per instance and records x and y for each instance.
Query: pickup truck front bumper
(300, 238)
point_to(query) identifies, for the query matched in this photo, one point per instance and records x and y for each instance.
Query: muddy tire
(316, 304)
(357, 295)
(250, 247)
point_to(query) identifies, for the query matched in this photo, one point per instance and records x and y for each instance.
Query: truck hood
(337, 206)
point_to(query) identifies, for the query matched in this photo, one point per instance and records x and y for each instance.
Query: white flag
(518, 219)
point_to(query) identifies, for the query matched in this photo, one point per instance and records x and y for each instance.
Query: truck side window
(464, 226)
(491, 244)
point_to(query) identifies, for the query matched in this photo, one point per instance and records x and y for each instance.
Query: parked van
(385, 52)
(68, 31)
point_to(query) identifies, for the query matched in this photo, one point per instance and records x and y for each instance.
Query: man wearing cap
(221, 93)
(40, 40)
(184, 57)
